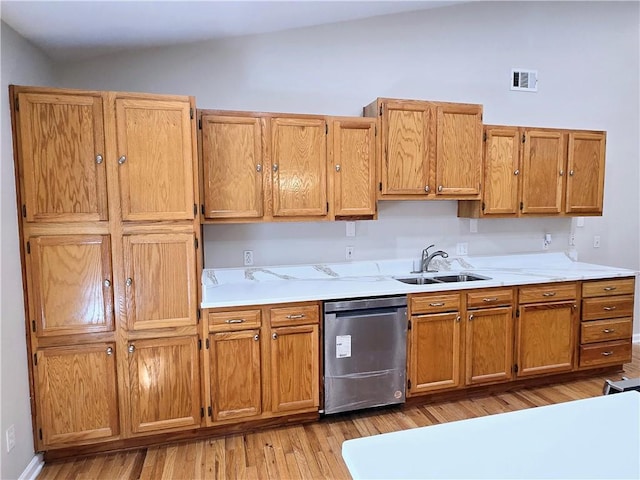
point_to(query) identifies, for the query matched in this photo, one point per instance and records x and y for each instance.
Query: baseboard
(33, 469)
(636, 338)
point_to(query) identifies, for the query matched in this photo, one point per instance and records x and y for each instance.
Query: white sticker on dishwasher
(343, 346)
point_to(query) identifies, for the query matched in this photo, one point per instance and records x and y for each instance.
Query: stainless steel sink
(461, 277)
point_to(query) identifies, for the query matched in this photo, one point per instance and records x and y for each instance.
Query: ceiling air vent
(524, 80)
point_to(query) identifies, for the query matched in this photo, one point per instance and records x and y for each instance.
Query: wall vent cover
(524, 80)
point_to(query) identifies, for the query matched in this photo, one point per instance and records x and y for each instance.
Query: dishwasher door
(365, 353)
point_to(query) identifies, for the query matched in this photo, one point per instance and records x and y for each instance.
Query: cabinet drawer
(548, 293)
(489, 298)
(606, 330)
(435, 303)
(302, 314)
(607, 307)
(604, 353)
(236, 320)
(601, 288)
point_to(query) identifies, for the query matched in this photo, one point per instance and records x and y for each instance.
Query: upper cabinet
(61, 145)
(155, 158)
(531, 171)
(428, 149)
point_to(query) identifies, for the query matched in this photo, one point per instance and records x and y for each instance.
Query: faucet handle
(430, 246)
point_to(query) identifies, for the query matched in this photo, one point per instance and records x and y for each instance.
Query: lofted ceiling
(77, 30)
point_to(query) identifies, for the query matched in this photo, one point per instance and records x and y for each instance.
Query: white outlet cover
(351, 229)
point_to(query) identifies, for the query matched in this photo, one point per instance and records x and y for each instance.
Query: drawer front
(235, 320)
(624, 286)
(490, 298)
(605, 353)
(606, 330)
(607, 307)
(435, 303)
(299, 315)
(552, 292)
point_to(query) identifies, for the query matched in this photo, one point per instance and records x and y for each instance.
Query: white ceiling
(76, 30)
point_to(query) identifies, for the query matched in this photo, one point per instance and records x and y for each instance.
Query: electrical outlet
(473, 225)
(462, 248)
(545, 245)
(351, 229)
(348, 254)
(596, 241)
(11, 437)
(572, 239)
(248, 257)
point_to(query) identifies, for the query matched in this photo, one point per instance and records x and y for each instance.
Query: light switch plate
(351, 229)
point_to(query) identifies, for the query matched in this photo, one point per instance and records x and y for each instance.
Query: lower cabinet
(76, 399)
(164, 384)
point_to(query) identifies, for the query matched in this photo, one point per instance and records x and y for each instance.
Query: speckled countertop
(231, 287)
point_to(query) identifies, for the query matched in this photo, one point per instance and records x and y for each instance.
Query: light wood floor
(313, 450)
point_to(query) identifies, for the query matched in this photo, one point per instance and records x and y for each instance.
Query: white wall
(21, 64)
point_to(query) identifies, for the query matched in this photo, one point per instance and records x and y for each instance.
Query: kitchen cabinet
(546, 329)
(77, 395)
(606, 325)
(435, 347)
(535, 171)
(164, 384)
(489, 336)
(428, 149)
(353, 157)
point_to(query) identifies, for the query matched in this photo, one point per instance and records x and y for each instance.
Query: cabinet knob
(122, 159)
(571, 172)
(109, 351)
(258, 168)
(256, 337)
(517, 172)
(107, 283)
(99, 159)
(471, 317)
(131, 348)
(458, 319)
(439, 188)
(128, 282)
(275, 167)
(337, 168)
(427, 189)
(274, 336)
(561, 173)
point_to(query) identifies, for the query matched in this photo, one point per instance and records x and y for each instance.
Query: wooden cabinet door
(353, 153)
(61, 150)
(155, 157)
(545, 338)
(501, 171)
(585, 165)
(295, 358)
(543, 172)
(76, 394)
(489, 345)
(164, 384)
(459, 150)
(406, 161)
(235, 392)
(299, 167)
(160, 280)
(70, 284)
(232, 167)
(434, 359)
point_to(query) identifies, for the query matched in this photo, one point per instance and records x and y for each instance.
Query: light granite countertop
(235, 287)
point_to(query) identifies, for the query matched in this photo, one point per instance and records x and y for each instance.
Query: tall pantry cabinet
(107, 199)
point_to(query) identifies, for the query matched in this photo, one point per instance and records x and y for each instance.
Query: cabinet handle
(275, 167)
(549, 294)
(107, 283)
(256, 337)
(99, 159)
(458, 319)
(235, 320)
(337, 168)
(122, 159)
(608, 330)
(274, 336)
(471, 317)
(606, 354)
(609, 309)
(258, 168)
(427, 188)
(132, 348)
(128, 282)
(494, 299)
(109, 351)
(295, 317)
(438, 304)
(571, 172)
(517, 172)
(439, 188)
(609, 289)
(561, 173)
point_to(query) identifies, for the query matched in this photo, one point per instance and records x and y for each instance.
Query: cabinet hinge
(191, 113)
(515, 368)
(28, 247)
(33, 325)
(409, 325)
(201, 412)
(198, 315)
(35, 358)
(523, 138)
(326, 129)
(40, 433)
(202, 208)
(518, 313)
(24, 210)
(484, 137)
(195, 241)
(380, 186)
(200, 124)
(17, 110)
(375, 130)
(199, 344)
(409, 384)
(521, 205)
(206, 344)
(195, 209)
(209, 410)
(327, 206)
(483, 206)
(380, 110)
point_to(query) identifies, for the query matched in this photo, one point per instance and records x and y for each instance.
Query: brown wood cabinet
(531, 171)
(428, 149)
(546, 329)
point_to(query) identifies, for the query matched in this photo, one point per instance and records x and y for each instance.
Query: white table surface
(595, 438)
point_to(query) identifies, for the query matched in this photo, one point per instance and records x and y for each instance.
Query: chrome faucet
(427, 257)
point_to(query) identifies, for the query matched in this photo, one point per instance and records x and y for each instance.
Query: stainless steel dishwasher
(365, 353)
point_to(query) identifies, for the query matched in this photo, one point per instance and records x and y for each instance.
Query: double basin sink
(460, 277)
